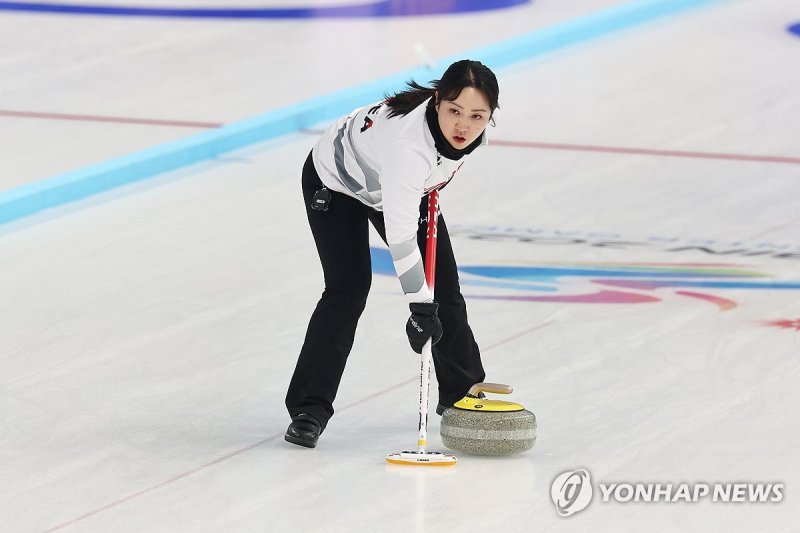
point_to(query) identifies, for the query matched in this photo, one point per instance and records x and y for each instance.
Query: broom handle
(430, 275)
(430, 242)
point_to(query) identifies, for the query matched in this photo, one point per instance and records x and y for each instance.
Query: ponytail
(461, 74)
(403, 102)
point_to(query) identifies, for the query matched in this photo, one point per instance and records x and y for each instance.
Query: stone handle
(496, 388)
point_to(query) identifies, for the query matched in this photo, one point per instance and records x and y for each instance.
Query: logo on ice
(572, 492)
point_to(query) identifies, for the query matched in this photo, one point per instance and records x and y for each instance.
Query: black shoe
(303, 431)
(441, 407)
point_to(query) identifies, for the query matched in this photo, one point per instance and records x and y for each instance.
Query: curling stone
(479, 426)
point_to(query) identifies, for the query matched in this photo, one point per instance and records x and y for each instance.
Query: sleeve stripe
(413, 279)
(405, 255)
(402, 266)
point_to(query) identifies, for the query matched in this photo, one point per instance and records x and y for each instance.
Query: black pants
(342, 238)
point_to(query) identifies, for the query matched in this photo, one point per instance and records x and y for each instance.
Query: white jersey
(388, 164)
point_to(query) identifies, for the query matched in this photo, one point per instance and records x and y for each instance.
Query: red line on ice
(259, 443)
(495, 142)
(647, 151)
(114, 120)
(161, 484)
(632, 151)
(776, 228)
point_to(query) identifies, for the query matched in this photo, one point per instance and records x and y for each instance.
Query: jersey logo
(368, 122)
(443, 184)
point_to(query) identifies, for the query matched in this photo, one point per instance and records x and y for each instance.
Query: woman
(378, 164)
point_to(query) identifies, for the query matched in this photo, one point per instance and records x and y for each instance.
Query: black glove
(423, 324)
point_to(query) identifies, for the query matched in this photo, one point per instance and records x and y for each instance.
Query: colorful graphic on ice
(795, 29)
(783, 323)
(607, 283)
(384, 8)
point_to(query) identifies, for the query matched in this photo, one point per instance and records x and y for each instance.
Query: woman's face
(462, 120)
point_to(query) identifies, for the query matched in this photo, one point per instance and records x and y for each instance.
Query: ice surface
(148, 335)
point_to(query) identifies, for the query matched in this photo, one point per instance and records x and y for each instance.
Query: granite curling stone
(479, 426)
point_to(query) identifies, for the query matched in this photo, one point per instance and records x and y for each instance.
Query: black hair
(461, 74)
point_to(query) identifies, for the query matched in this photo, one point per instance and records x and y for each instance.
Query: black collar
(444, 148)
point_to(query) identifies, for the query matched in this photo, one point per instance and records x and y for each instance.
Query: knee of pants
(353, 294)
(451, 302)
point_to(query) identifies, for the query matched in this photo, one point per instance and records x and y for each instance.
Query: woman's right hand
(423, 324)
